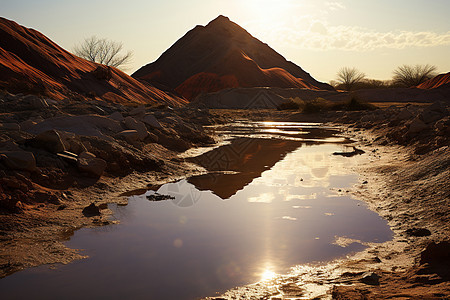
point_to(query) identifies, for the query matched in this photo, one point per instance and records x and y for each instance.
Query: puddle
(267, 205)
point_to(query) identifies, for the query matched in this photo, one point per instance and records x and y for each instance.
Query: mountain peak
(221, 55)
(220, 19)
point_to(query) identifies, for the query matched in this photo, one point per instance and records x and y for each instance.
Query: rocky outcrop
(31, 63)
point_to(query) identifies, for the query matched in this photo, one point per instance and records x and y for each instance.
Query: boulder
(419, 232)
(89, 163)
(116, 116)
(429, 116)
(49, 140)
(18, 160)
(89, 125)
(139, 112)
(35, 102)
(25, 125)
(417, 125)
(131, 136)
(102, 73)
(404, 114)
(131, 123)
(9, 126)
(76, 146)
(150, 119)
(91, 210)
(370, 278)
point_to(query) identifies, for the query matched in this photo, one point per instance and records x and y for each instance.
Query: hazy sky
(319, 35)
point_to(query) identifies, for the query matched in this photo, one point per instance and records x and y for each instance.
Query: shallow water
(267, 204)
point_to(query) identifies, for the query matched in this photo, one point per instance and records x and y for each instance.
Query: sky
(321, 36)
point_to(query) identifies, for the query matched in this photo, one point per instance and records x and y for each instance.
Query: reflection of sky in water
(197, 243)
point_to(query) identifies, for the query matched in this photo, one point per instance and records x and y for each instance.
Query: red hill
(223, 55)
(32, 63)
(440, 80)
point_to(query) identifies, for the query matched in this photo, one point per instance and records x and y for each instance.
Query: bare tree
(103, 51)
(349, 77)
(409, 76)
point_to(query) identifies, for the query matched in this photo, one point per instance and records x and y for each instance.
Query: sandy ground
(410, 191)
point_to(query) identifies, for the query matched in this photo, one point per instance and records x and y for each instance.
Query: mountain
(31, 63)
(440, 81)
(223, 55)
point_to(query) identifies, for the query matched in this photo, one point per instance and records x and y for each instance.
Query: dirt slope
(32, 63)
(223, 55)
(442, 80)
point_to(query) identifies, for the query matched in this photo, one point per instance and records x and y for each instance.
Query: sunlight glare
(268, 275)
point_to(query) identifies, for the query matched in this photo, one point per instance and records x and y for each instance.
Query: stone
(102, 72)
(418, 232)
(429, 116)
(89, 125)
(68, 157)
(19, 160)
(10, 126)
(116, 116)
(404, 114)
(151, 120)
(91, 210)
(370, 278)
(131, 136)
(89, 163)
(138, 111)
(35, 102)
(436, 253)
(417, 126)
(76, 146)
(25, 125)
(131, 123)
(49, 140)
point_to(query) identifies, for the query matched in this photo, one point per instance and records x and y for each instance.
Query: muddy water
(275, 197)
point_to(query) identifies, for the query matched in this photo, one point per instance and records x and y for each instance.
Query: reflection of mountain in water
(247, 156)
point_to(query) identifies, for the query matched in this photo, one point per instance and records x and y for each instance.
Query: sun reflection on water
(268, 275)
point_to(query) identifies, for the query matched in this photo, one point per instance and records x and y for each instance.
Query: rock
(418, 232)
(370, 278)
(87, 162)
(25, 125)
(44, 196)
(91, 210)
(131, 123)
(49, 140)
(436, 253)
(35, 102)
(89, 125)
(150, 119)
(116, 116)
(152, 138)
(102, 73)
(416, 126)
(19, 160)
(443, 126)
(139, 112)
(131, 136)
(404, 114)
(429, 116)
(10, 126)
(76, 146)
(68, 157)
